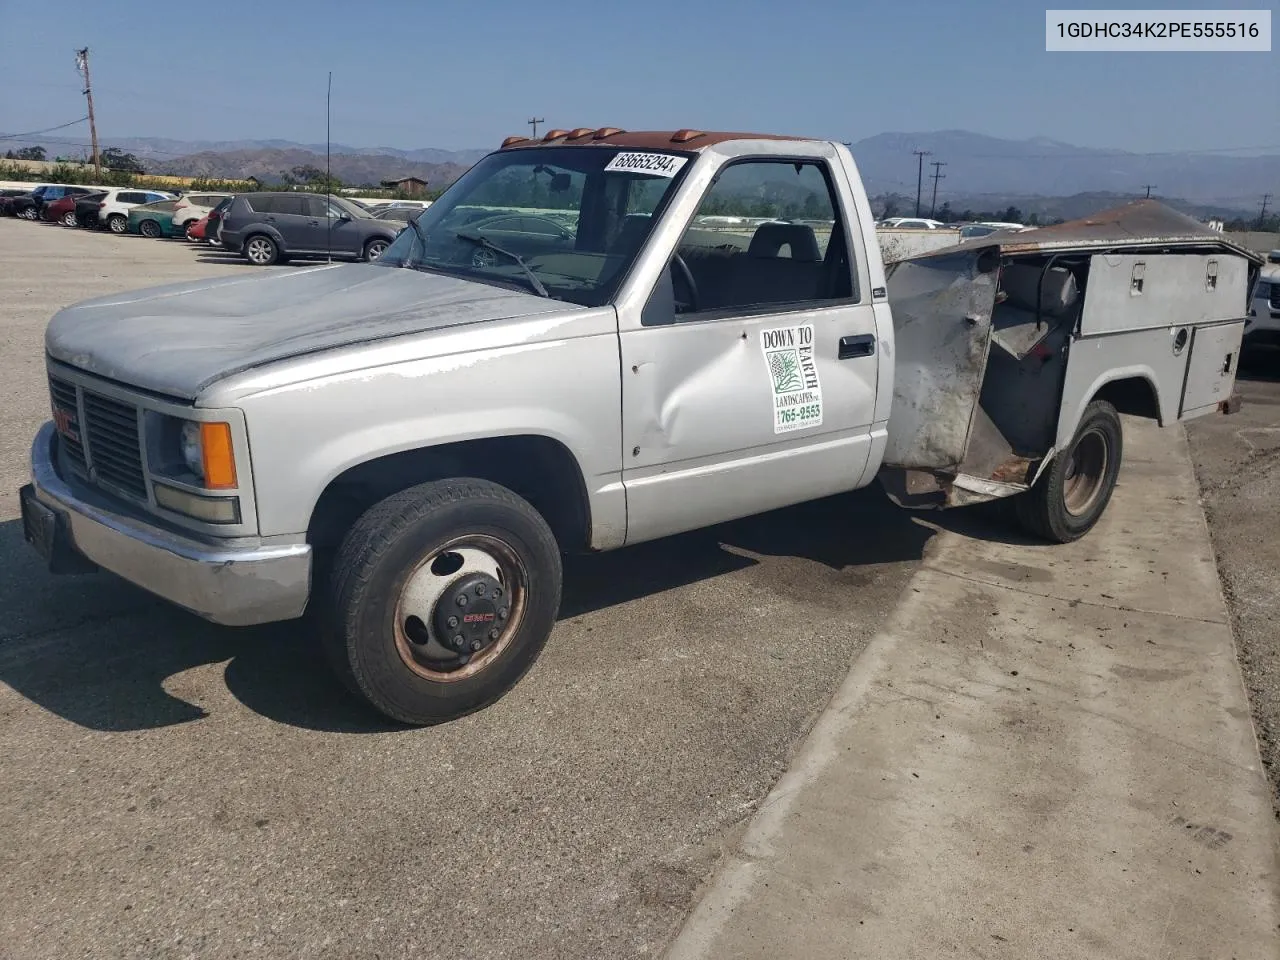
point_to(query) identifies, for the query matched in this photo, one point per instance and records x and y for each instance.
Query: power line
(920, 155)
(937, 175)
(32, 133)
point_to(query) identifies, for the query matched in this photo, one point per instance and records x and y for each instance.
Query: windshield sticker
(793, 377)
(654, 164)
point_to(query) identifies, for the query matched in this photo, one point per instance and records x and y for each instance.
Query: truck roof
(686, 139)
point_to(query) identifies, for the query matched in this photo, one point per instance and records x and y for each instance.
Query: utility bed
(1002, 340)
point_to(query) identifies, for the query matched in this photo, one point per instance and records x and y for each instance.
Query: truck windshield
(565, 220)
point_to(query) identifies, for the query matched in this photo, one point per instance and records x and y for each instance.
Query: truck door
(750, 380)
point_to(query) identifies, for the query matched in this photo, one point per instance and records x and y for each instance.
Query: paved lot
(1237, 462)
(175, 789)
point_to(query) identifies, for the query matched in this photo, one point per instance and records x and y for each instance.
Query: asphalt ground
(169, 788)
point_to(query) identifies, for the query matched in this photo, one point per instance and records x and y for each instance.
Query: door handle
(860, 345)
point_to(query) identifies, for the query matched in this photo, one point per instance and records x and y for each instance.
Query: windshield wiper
(483, 241)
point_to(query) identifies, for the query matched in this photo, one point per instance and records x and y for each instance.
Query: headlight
(207, 451)
(192, 454)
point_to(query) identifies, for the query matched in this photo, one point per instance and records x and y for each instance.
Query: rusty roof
(638, 139)
(1136, 224)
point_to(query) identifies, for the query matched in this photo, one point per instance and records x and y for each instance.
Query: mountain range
(974, 166)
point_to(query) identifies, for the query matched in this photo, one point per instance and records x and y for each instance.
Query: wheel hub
(471, 613)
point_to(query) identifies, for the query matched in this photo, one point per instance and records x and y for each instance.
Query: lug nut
(502, 614)
(493, 634)
(459, 642)
(497, 592)
(479, 589)
(475, 644)
(462, 599)
(452, 622)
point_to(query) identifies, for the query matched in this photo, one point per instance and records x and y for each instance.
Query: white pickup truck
(591, 340)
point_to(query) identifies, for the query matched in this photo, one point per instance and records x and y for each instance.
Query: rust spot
(1232, 404)
(1013, 470)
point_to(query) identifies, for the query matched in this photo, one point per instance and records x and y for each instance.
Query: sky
(408, 73)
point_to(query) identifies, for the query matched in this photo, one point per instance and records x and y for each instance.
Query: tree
(1012, 214)
(113, 158)
(945, 214)
(26, 153)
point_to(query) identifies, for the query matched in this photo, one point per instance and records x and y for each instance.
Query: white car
(193, 207)
(113, 209)
(910, 223)
(1262, 326)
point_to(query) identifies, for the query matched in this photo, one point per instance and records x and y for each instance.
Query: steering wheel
(686, 275)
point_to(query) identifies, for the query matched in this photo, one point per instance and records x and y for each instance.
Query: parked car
(214, 226)
(152, 220)
(271, 227)
(399, 213)
(910, 223)
(196, 231)
(62, 210)
(47, 193)
(7, 198)
(1262, 328)
(86, 209)
(119, 201)
(193, 207)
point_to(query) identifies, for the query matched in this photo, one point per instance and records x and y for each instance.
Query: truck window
(767, 232)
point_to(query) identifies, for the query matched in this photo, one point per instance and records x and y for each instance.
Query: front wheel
(1069, 499)
(442, 596)
(149, 228)
(69, 219)
(373, 250)
(117, 223)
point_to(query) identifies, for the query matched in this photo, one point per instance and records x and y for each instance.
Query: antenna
(533, 122)
(328, 215)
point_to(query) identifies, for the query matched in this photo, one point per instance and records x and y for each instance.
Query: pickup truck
(594, 339)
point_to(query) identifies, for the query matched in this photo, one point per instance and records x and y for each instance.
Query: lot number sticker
(654, 164)
(793, 377)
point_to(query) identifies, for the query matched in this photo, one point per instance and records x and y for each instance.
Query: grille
(66, 409)
(1275, 296)
(108, 439)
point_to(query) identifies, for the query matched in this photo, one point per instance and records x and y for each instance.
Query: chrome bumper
(231, 584)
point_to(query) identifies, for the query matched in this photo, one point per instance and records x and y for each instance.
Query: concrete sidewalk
(1046, 753)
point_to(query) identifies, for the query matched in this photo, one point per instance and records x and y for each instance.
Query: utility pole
(920, 155)
(82, 64)
(937, 175)
(1149, 187)
(1262, 214)
(533, 122)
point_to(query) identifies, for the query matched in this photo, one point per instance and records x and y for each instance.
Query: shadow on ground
(98, 652)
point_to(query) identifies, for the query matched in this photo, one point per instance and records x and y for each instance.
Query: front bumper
(227, 583)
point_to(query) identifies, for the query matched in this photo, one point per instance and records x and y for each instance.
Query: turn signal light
(219, 458)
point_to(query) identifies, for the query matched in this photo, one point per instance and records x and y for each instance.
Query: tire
(150, 229)
(118, 224)
(393, 568)
(69, 219)
(1071, 496)
(373, 249)
(260, 250)
(30, 214)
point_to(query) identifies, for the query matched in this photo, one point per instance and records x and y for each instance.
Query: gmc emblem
(65, 421)
(477, 618)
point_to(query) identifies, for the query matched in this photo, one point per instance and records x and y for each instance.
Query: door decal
(793, 377)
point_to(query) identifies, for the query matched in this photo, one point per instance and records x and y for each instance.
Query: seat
(770, 238)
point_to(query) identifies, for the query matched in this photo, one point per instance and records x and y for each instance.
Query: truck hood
(178, 339)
